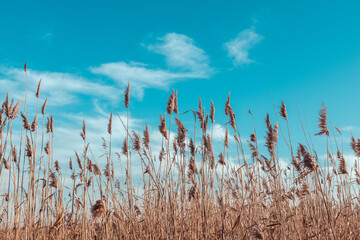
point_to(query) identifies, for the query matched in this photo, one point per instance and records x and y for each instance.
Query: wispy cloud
(183, 58)
(62, 88)
(180, 52)
(141, 76)
(238, 48)
(350, 129)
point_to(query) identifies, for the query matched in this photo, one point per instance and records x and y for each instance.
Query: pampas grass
(184, 191)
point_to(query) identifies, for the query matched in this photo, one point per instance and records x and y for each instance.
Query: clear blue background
(310, 49)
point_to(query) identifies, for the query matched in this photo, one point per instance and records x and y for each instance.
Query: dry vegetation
(189, 192)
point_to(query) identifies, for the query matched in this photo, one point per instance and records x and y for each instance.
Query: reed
(191, 189)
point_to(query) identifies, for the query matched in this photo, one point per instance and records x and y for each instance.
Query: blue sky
(87, 51)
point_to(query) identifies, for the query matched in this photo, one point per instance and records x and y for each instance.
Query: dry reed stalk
(257, 200)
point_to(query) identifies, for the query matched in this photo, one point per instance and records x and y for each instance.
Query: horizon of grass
(187, 191)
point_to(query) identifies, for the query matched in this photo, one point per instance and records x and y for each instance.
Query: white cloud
(350, 129)
(49, 35)
(180, 52)
(219, 133)
(238, 48)
(184, 59)
(60, 88)
(138, 75)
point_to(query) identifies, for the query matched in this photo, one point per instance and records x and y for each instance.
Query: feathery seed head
(323, 121)
(146, 138)
(38, 89)
(43, 107)
(212, 112)
(127, 96)
(110, 124)
(162, 126)
(283, 111)
(171, 103)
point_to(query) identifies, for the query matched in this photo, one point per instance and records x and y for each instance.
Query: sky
(262, 52)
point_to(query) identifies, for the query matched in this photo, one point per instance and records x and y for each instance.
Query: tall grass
(188, 190)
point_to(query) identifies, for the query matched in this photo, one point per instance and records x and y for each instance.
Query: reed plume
(98, 209)
(53, 180)
(26, 123)
(97, 170)
(43, 107)
(227, 105)
(109, 129)
(221, 159)
(355, 145)
(283, 111)
(136, 142)
(162, 126)
(296, 164)
(231, 116)
(226, 140)
(15, 110)
(323, 121)
(57, 166)
(125, 147)
(79, 161)
(192, 168)
(162, 154)
(28, 147)
(342, 163)
(192, 147)
(14, 154)
(146, 138)
(38, 89)
(176, 107)
(127, 96)
(271, 137)
(34, 124)
(309, 162)
(6, 164)
(212, 112)
(83, 133)
(171, 103)
(181, 193)
(47, 148)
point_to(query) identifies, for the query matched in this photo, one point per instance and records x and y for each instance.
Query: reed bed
(189, 190)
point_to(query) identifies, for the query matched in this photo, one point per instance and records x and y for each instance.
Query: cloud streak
(61, 88)
(183, 58)
(238, 48)
(139, 75)
(180, 52)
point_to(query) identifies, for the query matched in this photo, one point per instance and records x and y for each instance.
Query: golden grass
(188, 193)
